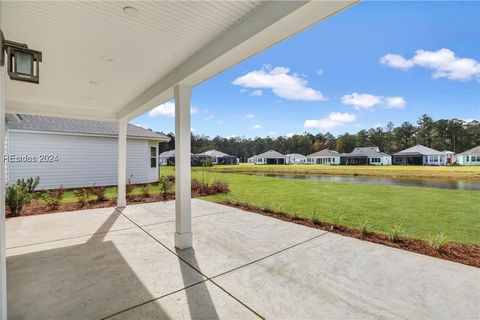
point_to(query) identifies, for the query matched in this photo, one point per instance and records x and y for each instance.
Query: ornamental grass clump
(395, 232)
(145, 191)
(437, 241)
(165, 184)
(336, 220)
(364, 227)
(315, 217)
(219, 187)
(129, 187)
(99, 192)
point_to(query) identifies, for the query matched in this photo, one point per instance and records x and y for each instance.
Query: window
(468, 158)
(475, 158)
(433, 159)
(333, 160)
(153, 157)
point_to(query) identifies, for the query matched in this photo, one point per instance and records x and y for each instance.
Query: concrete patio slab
(161, 212)
(201, 301)
(57, 226)
(226, 241)
(254, 265)
(92, 277)
(336, 277)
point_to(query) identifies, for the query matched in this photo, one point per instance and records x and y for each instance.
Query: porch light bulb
(24, 63)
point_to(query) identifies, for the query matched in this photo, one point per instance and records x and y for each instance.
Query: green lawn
(439, 172)
(421, 211)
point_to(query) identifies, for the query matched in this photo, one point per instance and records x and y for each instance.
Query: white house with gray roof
(219, 157)
(269, 157)
(325, 157)
(470, 157)
(420, 155)
(77, 153)
(366, 156)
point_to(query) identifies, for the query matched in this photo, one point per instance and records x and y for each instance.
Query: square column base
(183, 240)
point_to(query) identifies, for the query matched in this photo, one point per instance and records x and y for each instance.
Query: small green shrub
(315, 217)
(129, 187)
(30, 184)
(364, 227)
(165, 185)
(395, 232)
(16, 197)
(54, 197)
(437, 241)
(99, 192)
(145, 191)
(83, 196)
(219, 187)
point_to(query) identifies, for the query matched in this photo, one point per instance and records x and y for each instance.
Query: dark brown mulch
(468, 254)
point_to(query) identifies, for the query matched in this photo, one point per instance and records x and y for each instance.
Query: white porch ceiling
(100, 63)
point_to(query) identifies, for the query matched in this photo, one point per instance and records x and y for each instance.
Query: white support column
(183, 206)
(122, 164)
(3, 261)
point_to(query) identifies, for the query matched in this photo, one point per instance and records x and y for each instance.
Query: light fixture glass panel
(24, 63)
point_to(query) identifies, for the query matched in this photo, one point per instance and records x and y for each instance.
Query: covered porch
(113, 61)
(123, 264)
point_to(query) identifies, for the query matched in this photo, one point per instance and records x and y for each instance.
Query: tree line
(445, 134)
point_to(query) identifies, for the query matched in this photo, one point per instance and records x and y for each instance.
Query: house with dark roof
(420, 155)
(269, 157)
(219, 157)
(325, 157)
(77, 153)
(366, 156)
(167, 158)
(470, 157)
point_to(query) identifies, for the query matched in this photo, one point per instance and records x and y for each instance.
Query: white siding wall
(83, 160)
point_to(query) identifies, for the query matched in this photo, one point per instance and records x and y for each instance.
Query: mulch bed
(468, 254)
(37, 208)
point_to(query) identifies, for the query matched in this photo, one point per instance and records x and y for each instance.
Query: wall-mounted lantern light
(22, 62)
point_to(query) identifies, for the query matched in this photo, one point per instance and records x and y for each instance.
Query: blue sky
(374, 63)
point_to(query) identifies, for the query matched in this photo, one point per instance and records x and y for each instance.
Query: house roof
(366, 152)
(418, 150)
(325, 153)
(270, 154)
(87, 127)
(473, 150)
(167, 154)
(448, 152)
(215, 154)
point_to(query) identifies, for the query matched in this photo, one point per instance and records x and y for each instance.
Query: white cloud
(232, 136)
(396, 61)
(367, 101)
(219, 122)
(443, 62)
(361, 100)
(140, 125)
(281, 82)
(167, 109)
(255, 127)
(192, 130)
(248, 116)
(319, 72)
(272, 133)
(209, 117)
(395, 102)
(469, 120)
(291, 134)
(243, 90)
(377, 125)
(256, 93)
(333, 120)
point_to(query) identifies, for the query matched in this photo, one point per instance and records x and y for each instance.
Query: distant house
(325, 156)
(420, 155)
(450, 156)
(167, 158)
(295, 158)
(269, 157)
(219, 157)
(77, 153)
(366, 156)
(470, 157)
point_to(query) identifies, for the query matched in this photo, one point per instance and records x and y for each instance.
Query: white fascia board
(269, 24)
(21, 107)
(87, 135)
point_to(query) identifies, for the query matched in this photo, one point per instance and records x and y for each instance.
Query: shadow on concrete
(200, 303)
(91, 280)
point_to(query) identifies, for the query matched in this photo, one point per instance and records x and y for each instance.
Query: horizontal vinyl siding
(83, 160)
